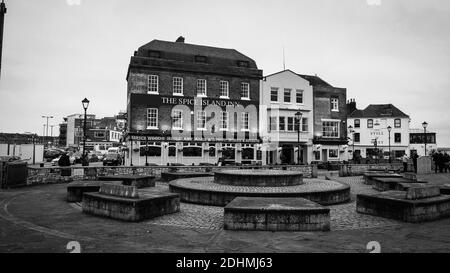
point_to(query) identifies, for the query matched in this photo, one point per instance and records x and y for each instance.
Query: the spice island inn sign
(193, 104)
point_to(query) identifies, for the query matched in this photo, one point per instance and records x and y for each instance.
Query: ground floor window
(192, 150)
(150, 149)
(248, 152)
(317, 155)
(212, 150)
(172, 149)
(229, 151)
(333, 153)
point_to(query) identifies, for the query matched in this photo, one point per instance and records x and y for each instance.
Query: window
(152, 118)
(398, 137)
(201, 87)
(248, 153)
(99, 134)
(282, 124)
(299, 96)
(177, 86)
(201, 120)
(370, 123)
(397, 123)
(245, 90)
(287, 95)
(192, 150)
(177, 120)
(242, 63)
(153, 84)
(154, 54)
(317, 155)
(152, 149)
(224, 89)
(200, 59)
(274, 94)
(330, 129)
(333, 153)
(273, 123)
(335, 104)
(224, 121)
(245, 121)
(290, 124)
(212, 150)
(356, 137)
(357, 123)
(304, 124)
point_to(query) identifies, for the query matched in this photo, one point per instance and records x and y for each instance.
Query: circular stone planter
(203, 190)
(258, 178)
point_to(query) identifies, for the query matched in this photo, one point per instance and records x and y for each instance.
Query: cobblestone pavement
(343, 217)
(207, 183)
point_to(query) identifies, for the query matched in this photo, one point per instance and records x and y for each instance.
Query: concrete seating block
(169, 176)
(140, 181)
(119, 190)
(422, 192)
(76, 189)
(391, 183)
(370, 176)
(276, 214)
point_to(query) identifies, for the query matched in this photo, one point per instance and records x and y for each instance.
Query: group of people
(441, 161)
(405, 160)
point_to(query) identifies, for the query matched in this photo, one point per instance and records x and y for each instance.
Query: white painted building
(282, 95)
(417, 141)
(370, 137)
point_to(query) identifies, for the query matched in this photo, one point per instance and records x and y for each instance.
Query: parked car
(112, 159)
(51, 154)
(71, 158)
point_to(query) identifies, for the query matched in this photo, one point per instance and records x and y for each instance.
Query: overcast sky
(56, 52)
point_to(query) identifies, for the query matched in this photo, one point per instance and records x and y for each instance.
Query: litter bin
(13, 174)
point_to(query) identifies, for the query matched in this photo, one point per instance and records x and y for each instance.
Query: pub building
(192, 104)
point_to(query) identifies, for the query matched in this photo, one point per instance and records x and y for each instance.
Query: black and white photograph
(245, 128)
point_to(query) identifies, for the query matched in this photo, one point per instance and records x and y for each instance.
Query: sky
(57, 52)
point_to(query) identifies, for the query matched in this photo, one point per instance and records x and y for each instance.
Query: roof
(379, 111)
(313, 80)
(181, 51)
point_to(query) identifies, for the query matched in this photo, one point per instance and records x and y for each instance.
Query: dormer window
(242, 64)
(200, 59)
(154, 54)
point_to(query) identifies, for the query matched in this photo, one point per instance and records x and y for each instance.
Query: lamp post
(389, 128)
(46, 131)
(146, 151)
(85, 104)
(425, 125)
(298, 118)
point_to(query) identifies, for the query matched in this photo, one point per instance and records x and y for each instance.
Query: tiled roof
(314, 80)
(180, 51)
(379, 111)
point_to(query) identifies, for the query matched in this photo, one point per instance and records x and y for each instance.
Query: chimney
(351, 106)
(180, 39)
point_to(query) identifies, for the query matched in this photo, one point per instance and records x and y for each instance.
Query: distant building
(417, 141)
(371, 137)
(283, 94)
(330, 121)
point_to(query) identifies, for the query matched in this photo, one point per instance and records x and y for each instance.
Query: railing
(49, 175)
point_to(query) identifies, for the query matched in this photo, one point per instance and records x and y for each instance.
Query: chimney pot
(180, 39)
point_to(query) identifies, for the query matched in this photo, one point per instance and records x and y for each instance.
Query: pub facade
(191, 104)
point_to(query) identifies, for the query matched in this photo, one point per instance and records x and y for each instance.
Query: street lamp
(425, 125)
(389, 128)
(46, 132)
(85, 103)
(298, 118)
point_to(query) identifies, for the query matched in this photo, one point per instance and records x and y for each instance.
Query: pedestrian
(415, 156)
(435, 160)
(441, 162)
(405, 160)
(446, 162)
(64, 161)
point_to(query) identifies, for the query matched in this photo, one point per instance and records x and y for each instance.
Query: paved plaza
(38, 219)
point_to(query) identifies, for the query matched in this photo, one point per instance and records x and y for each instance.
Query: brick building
(330, 121)
(191, 104)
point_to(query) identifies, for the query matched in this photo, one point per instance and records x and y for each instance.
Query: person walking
(435, 160)
(441, 162)
(64, 161)
(405, 160)
(446, 162)
(415, 156)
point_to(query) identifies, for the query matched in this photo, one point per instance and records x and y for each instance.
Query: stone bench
(369, 176)
(391, 183)
(169, 176)
(76, 189)
(418, 204)
(139, 181)
(125, 203)
(276, 214)
(445, 189)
